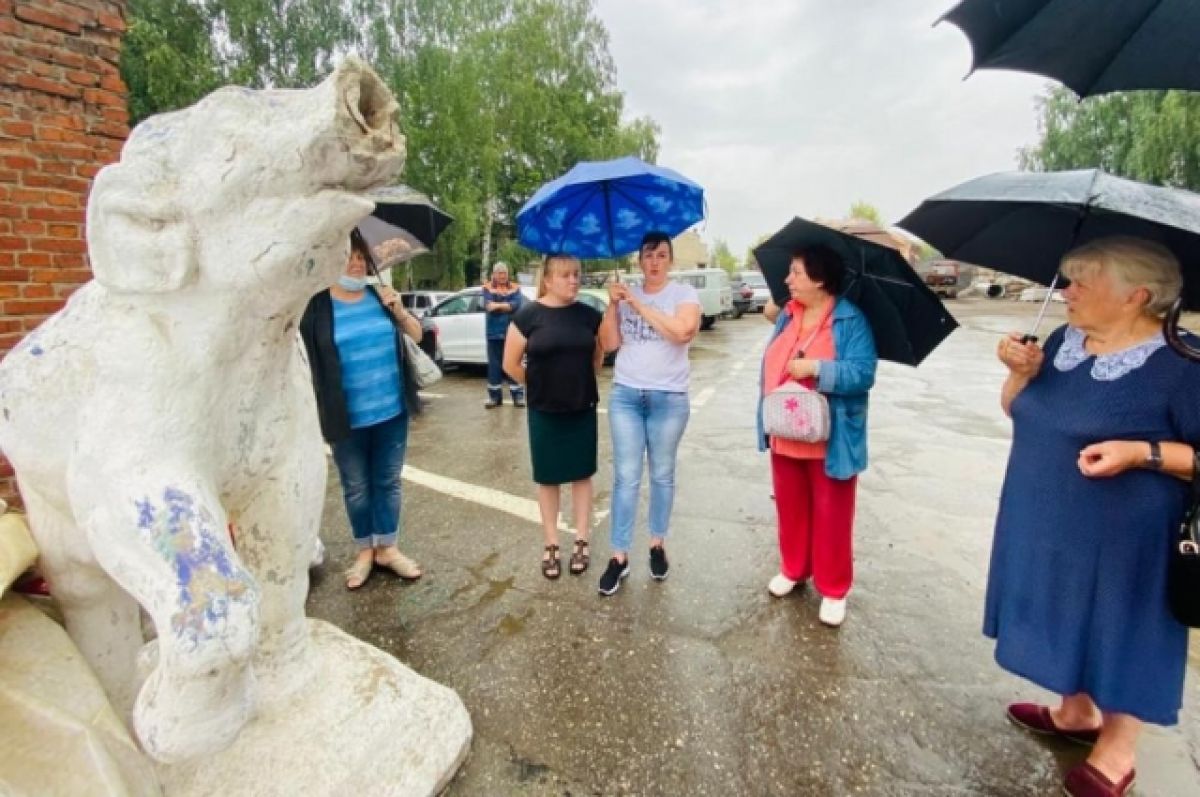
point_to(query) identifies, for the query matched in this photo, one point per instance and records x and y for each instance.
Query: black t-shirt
(561, 344)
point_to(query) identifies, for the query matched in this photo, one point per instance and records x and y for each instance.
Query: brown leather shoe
(1084, 780)
(1036, 719)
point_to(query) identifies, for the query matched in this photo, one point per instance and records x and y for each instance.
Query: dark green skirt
(562, 445)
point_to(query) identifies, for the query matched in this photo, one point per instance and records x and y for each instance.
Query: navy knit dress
(1076, 594)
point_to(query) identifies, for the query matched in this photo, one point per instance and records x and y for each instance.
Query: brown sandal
(551, 563)
(580, 559)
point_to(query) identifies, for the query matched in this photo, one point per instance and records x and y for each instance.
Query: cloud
(802, 107)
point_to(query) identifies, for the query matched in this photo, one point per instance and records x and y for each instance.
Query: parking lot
(703, 684)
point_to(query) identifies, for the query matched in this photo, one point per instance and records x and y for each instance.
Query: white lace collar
(1107, 367)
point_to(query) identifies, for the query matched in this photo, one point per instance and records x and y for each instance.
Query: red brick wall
(62, 117)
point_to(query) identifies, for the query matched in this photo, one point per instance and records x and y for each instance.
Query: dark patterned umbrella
(907, 320)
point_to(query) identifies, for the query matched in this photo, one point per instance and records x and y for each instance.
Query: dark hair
(823, 265)
(653, 239)
(359, 244)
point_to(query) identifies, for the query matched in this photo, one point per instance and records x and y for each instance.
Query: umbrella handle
(1171, 333)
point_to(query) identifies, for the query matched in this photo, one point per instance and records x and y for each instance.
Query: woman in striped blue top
(365, 396)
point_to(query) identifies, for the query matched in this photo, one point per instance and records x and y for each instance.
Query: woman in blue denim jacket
(823, 342)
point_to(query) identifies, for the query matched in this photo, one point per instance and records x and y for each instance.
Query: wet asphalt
(704, 684)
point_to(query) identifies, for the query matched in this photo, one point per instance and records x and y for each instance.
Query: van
(712, 285)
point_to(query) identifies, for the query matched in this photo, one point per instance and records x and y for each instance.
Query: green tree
(496, 96)
(867, 212)
(167, 58)
(722, 257)
(1153, 136)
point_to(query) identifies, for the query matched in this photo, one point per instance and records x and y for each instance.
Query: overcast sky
(801, 107)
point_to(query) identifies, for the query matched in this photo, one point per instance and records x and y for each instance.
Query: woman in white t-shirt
(648, 408)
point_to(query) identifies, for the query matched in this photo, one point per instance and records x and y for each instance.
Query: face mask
(352, 284)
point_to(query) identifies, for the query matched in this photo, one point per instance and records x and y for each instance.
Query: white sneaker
(781, 585)
(833, 612)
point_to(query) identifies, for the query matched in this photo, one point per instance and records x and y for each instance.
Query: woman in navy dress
(1105, 418)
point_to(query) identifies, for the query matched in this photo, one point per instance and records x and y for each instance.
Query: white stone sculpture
(168, 399)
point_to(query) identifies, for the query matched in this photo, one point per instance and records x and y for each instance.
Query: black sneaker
(518, 401)
(610, 582)
(658, 563)
(492, 403)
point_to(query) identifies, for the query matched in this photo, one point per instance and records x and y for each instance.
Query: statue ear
(138, 241)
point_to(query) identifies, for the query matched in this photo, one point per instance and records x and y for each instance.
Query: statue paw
(190, 715)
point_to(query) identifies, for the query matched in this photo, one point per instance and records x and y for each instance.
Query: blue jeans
(497, 377)
(645, 424)
(369, 463)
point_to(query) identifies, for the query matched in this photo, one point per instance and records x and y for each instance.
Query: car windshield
(754, 280)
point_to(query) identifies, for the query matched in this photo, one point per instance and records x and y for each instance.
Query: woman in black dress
(553, 349)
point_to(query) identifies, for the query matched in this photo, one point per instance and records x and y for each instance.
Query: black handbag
(1183, 574)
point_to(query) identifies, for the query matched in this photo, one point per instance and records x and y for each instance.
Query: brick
(57, 245)
(30, 228)
(34, 260)
(37, 292)
(36, 16)
(13, 243)
(7, 259)
(45, 70)
(14, 275)
(111, 21)
(25, 196)
(80, 78)
(63, 200)
(100, 97)
(49, 86)
(32, 306)
(88, 170)
(8, 343)
(10, 211)
(19, 162)
(55, 181)
(9, 26)
(7, 176)
(9, 290)
(18, 129)
(113, 82)
(56, 214)
(64, 231)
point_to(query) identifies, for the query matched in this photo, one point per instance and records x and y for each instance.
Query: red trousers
(816, 518)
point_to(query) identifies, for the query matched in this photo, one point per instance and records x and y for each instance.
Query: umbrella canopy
(907, 319)
(601, 209)
(1092, 46)
(410, 210)
(1022, 223)
(390, 245)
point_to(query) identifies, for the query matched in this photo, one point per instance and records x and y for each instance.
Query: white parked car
(712, 285)
(461, 322)
(420, 302)
(1038, 294)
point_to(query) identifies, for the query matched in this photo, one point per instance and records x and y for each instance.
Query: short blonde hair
(1133, 263)
(544, 271)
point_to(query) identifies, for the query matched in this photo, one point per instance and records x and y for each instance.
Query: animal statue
(168, 398)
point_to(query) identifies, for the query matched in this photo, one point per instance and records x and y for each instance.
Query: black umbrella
(1092, 46)
(1022, 223)
(907, 319)
(409, 209)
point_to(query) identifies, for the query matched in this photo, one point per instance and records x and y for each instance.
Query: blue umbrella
(601, 209)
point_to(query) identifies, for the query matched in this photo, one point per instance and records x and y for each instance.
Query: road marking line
(523, 508)
(703, 396)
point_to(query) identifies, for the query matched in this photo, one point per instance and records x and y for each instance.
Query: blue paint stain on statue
(211, 584)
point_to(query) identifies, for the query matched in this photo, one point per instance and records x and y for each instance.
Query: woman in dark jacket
(365, 396)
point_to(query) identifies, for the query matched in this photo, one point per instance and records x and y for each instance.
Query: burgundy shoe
(1036, 719)
(1084, 780)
